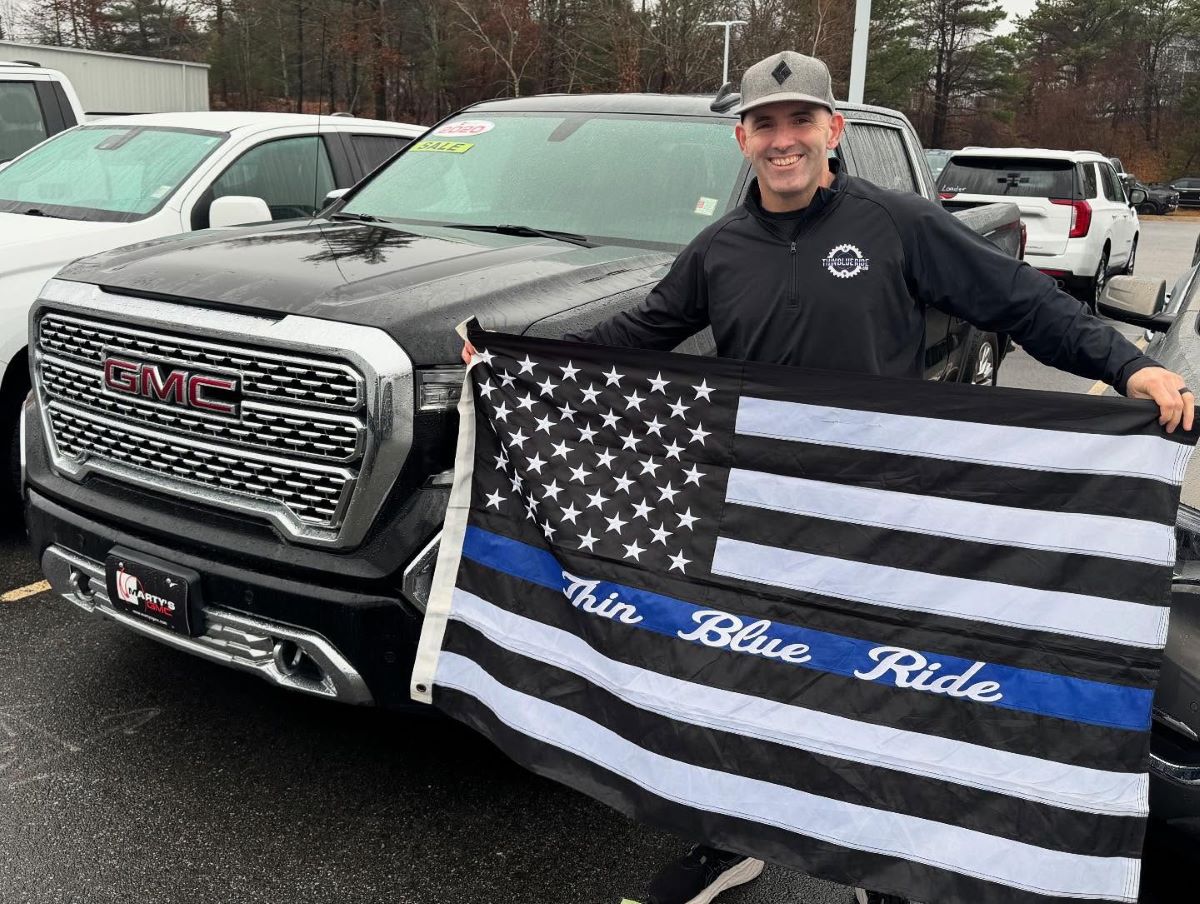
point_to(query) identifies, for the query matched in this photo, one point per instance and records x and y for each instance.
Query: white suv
(1081, 225)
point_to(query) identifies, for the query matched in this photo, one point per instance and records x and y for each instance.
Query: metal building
(120, 83)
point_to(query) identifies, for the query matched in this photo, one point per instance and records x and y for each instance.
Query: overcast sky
(1014, 8)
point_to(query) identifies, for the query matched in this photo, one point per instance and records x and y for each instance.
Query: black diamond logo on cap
(782, 72)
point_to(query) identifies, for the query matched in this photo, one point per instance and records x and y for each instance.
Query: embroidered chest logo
(845, 261)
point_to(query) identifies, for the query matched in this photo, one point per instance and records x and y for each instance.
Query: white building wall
(119, 83)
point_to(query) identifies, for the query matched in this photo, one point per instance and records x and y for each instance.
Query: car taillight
(1081, 216)
(947, 195)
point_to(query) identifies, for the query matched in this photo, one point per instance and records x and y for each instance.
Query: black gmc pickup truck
(240, 442)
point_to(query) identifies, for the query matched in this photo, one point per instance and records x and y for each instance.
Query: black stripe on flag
(856, 783)
(1136, 582)
(1052, 491)
(1073, 743)
(832, 861)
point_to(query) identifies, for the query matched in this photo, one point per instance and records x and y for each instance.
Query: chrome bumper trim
(243, 642)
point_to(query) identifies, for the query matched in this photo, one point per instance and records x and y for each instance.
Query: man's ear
(740, 132)
(837, 125)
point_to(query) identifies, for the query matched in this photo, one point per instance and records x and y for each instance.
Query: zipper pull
(793, 247)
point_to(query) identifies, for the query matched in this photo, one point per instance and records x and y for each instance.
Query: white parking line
(21, 592)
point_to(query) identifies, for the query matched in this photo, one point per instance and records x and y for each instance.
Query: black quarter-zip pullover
(844, 284)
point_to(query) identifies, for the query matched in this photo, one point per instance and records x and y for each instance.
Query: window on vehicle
(640, 179)
(105, 173)
(292, 175)
(1013, 177)
(1112, 185)
(1090, 188)
(372, 150)
(21, 122)
(880, 156)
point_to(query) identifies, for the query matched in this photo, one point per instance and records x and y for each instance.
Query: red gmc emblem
(181, 388)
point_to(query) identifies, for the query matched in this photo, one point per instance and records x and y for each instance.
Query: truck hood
(415, 282)
(36, 242)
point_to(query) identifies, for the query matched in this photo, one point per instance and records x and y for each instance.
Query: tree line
(1120, 76)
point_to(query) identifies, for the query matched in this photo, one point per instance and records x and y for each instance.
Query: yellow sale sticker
(443, 147)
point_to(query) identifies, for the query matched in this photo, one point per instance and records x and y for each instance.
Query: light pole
(727, 25)
(858, 52)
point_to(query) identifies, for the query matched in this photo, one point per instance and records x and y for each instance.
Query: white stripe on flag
(1073, 614)
(1097, 535)
(944, 759)
(1017, 447)
(989, 857)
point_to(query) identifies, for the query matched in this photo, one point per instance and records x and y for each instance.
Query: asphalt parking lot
(132, 772)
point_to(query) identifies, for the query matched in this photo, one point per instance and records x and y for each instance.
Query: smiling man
(823, 270)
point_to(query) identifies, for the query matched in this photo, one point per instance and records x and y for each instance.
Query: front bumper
(321, 639)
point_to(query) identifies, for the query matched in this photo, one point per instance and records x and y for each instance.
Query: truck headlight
(439, 388)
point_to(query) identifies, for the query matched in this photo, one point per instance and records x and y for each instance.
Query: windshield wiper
(35, 212)
(359, 217)
(509, 229)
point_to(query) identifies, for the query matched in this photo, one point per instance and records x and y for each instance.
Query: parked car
(937, 158)
(1081, 225)
(1160, 200)
(35, 103)
(118, 181)
(1189, 190)
(267, 416)
(1175, 739)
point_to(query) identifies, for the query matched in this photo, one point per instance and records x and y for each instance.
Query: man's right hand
(468, 352)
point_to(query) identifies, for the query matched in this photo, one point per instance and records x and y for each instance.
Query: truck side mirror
(1136, 196)
(333, 196)
(237, 210)
(1137, 300)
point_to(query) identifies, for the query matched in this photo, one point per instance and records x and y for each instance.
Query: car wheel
(1132, 258)
(1099, 281)
(983, 363)
(1146, 207)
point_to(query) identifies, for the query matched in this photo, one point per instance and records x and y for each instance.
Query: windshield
(113, 173)
(641, 180)
(1013, 177)
(937, 160)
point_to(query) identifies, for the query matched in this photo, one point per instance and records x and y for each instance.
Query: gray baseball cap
(786, 76)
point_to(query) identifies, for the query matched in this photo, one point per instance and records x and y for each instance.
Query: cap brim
(784, 97)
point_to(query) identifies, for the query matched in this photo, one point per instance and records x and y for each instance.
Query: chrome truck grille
(304, 422)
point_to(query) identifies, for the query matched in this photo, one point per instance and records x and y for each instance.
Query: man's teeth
(784, 161)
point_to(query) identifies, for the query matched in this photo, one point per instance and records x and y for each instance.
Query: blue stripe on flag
(1042, 693)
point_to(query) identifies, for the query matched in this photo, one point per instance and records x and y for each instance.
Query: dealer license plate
(150, 589)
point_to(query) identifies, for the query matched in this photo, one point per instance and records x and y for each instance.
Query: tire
(1098, 281)
(10, 469)
(862, 896)
(1128, 268)
(1147, 208)
(983, 363)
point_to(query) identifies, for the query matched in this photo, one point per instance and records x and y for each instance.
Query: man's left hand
(1164, 387)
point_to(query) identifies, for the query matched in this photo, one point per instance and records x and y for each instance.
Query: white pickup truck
(121, 181)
